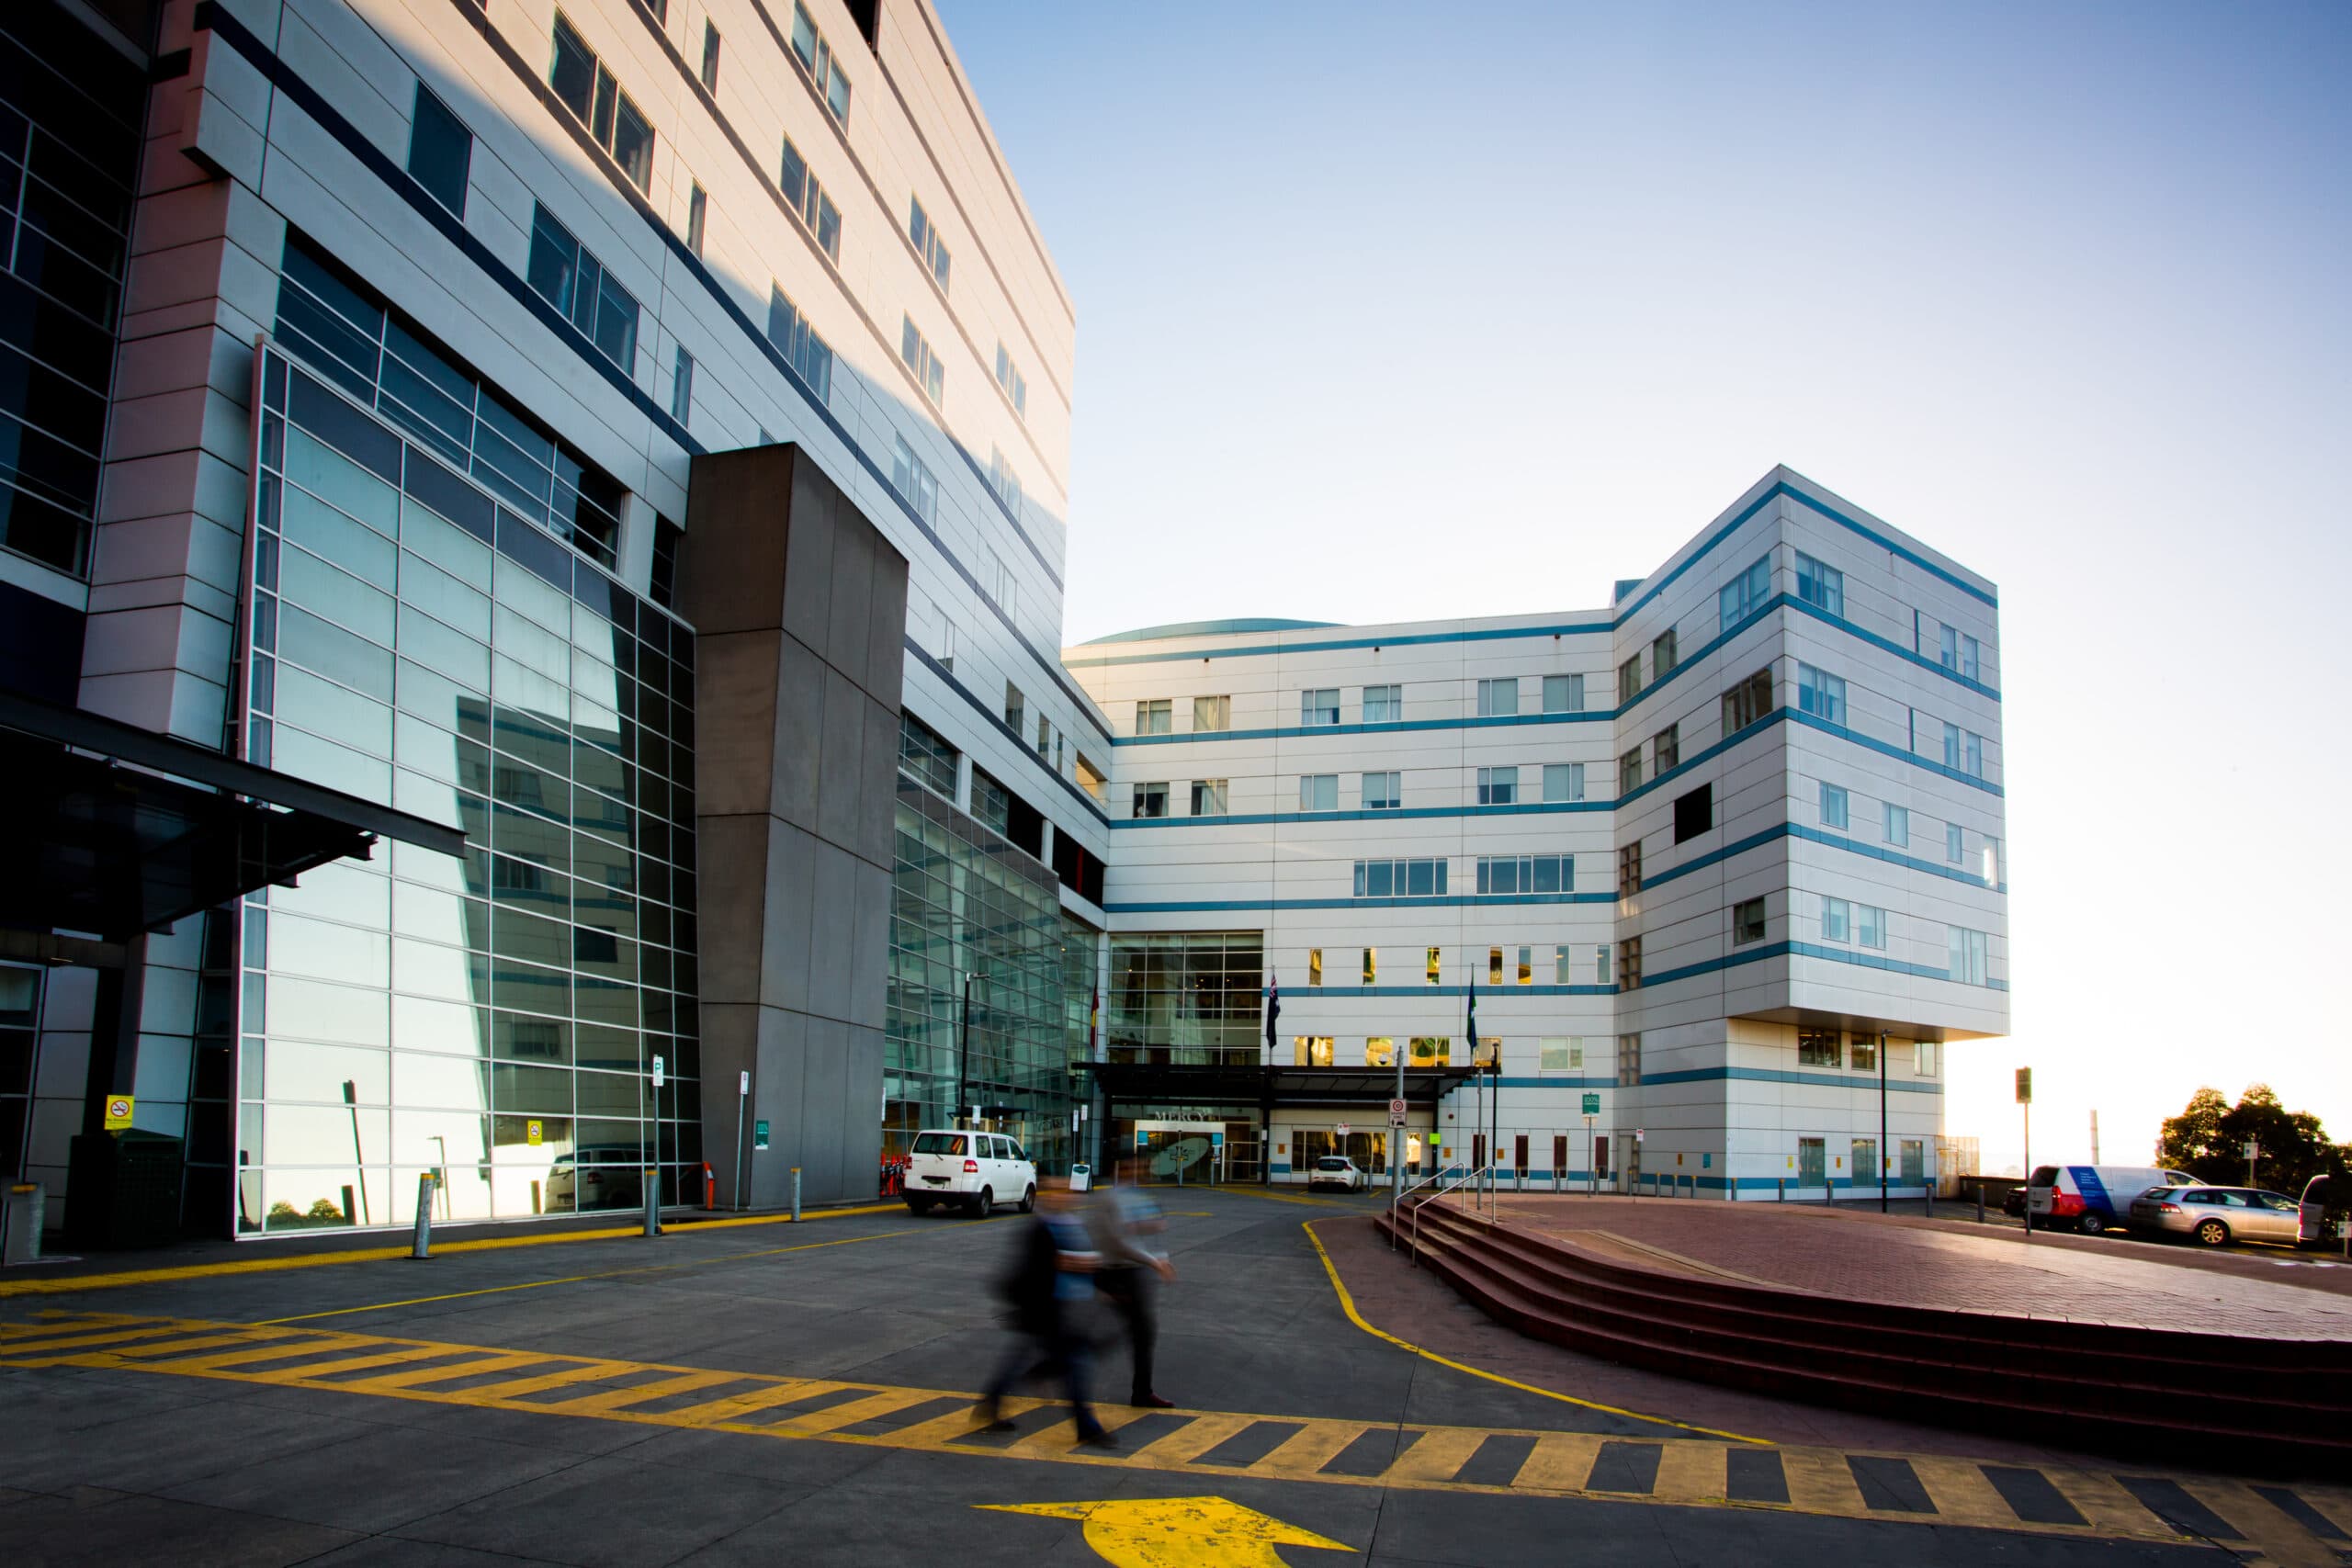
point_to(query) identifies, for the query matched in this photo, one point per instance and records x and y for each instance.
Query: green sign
(1592, 1105)
(759, 1135)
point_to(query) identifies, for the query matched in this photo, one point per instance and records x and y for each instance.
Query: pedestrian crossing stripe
(2305, 1523)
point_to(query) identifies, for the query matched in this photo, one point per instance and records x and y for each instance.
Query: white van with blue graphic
(2090, 1198)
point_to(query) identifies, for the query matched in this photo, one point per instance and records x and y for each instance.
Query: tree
(2208, 1140)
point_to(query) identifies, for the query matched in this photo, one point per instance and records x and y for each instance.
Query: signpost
(2253, 1153)
(743, 1100)
(2025, 1102)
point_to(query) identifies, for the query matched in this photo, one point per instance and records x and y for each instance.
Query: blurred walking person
(1051, 1282)
(1121, 1220)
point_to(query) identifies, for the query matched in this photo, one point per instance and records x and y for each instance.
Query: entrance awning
(120, 830)
(1260, 1087)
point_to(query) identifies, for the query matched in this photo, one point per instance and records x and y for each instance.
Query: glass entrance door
(1813, 1162)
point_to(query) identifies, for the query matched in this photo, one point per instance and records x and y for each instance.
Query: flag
(1273, 1010)
(1472, 1022)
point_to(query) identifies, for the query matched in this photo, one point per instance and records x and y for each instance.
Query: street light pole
(963, 1052)
(1882, 1120)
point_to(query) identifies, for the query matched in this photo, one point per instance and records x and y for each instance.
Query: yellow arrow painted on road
(1178, 1532)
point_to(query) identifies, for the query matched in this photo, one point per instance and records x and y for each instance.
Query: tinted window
(439, 150)
(2043, 1175)
(939, 1144)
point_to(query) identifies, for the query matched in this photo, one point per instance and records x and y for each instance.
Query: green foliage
(2208, 1140)
(324, 1209)
(282, 1210)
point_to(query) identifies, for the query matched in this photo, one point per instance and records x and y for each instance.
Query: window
(1155, 716)
(914, 349)
(1964, 751)
(1833, 806)
(1382, 792)
(1015, 708)
(925, 757)
(1746, 922)
(1820, 1048)
(1968, 950)
(1694, 813)
(1744, 595)
(1090, 778)
(697, 217)
(810, 357)
(1562, 781)
(1044, 733)
(924, 235)
(1823, 587)
(1493, 966)
(1870, 926)
(1208, 798)
(567, 277)
(1629, 772)
(1629, 680)
(1005, 481)
(1923, 1058)
(1629, 869)
(1898, 825)
(1314, 965)
(1319, 706)
(1432, 968)
(1666, 750)
(681, 387)
(1150, 800)
(816, 56)
(1968, 657)
(1915, 1161)
(1497, 786)
(1384, 704)
(1009, 378)
(1992, 862)
(1379, 1051)
(660, 9)
(1821, 694)
(663, 582)
(440, 150)
(914, 480)
(1212, 714)
(1432, 1049)
(1662, 655)
(1513, 875)
(709, 58)
(1560, 964)
(1837, 920)
(997, 579)
(1318, 792)
(1866, 1166)
(595, 99)
(1527, 966)
(1748, 702)
(805, 193)
(1957, 652)
(1311, 1050)
(1955, 851)
(1422, 878)
(1564, 693)
(1497, 699)
(1629, 1060)
(1371, 964)
(1600, 960)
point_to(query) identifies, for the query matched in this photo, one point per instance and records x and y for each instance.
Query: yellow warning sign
(118, 1107)
(531, 1133)
(1178, 1532)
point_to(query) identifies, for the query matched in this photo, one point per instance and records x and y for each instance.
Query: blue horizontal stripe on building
(1827, 839)
(1422, 901)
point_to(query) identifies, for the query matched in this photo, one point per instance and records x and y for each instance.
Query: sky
(1385, 317)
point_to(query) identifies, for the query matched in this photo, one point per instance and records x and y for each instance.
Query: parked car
(2323, 1196)
(2013, 1202)
(2215, 1216)
(2090, 1198)
(972, 1171)
(1338, 1170)
(596, 1177)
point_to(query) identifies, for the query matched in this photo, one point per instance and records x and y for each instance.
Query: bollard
(1980, 1202)
(1927, 1201)
(652, 1179)
(1780, 1190)
(796, 1191)
(709, 1189)
(423, 1245)
(23, 1211)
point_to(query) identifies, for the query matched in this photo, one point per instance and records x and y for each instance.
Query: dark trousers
(1132, 1294)
(1048, 1348)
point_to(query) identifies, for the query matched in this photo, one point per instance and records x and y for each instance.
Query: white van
(2090, 1198)
(974, 1171)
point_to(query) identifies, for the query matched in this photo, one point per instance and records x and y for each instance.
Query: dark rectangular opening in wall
(1024, 825)
(1080, 872)
(867, 14)
(1694, 813)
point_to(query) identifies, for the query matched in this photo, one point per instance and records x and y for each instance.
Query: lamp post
(1882, 1122)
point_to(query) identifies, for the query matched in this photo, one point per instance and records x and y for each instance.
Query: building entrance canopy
(1262, 1087)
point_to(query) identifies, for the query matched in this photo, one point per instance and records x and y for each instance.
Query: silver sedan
(2216, 1216)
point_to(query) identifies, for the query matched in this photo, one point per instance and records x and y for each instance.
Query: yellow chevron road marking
(1692, 1472)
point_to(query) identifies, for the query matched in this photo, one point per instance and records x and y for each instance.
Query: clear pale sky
(1387, 312)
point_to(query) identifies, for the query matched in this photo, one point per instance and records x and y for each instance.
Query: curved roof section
(1209, 629)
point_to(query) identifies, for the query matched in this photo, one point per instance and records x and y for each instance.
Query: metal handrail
(1467, 1176)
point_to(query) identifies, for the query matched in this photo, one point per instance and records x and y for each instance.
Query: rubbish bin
(124, 1189)
(1082, 1177)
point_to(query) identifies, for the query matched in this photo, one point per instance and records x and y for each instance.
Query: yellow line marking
(380, 1254)
(1559, 1464)
(1348, 1305)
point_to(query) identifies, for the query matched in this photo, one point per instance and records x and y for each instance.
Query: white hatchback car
(1338, 1170)
(974, 1171)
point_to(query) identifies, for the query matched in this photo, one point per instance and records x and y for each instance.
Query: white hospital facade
(615, 452)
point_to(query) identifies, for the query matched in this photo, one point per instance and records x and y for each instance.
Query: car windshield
(939, 1143)
(1331, 1162)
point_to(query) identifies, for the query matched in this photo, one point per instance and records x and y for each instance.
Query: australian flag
(1273, 1011)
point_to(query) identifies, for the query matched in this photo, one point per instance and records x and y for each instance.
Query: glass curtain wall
(1185, 998)
(967, 904)
(495, 1019)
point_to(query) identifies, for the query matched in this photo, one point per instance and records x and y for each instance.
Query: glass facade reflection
(494, 1018)
(966, 902)
(1185, 998)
